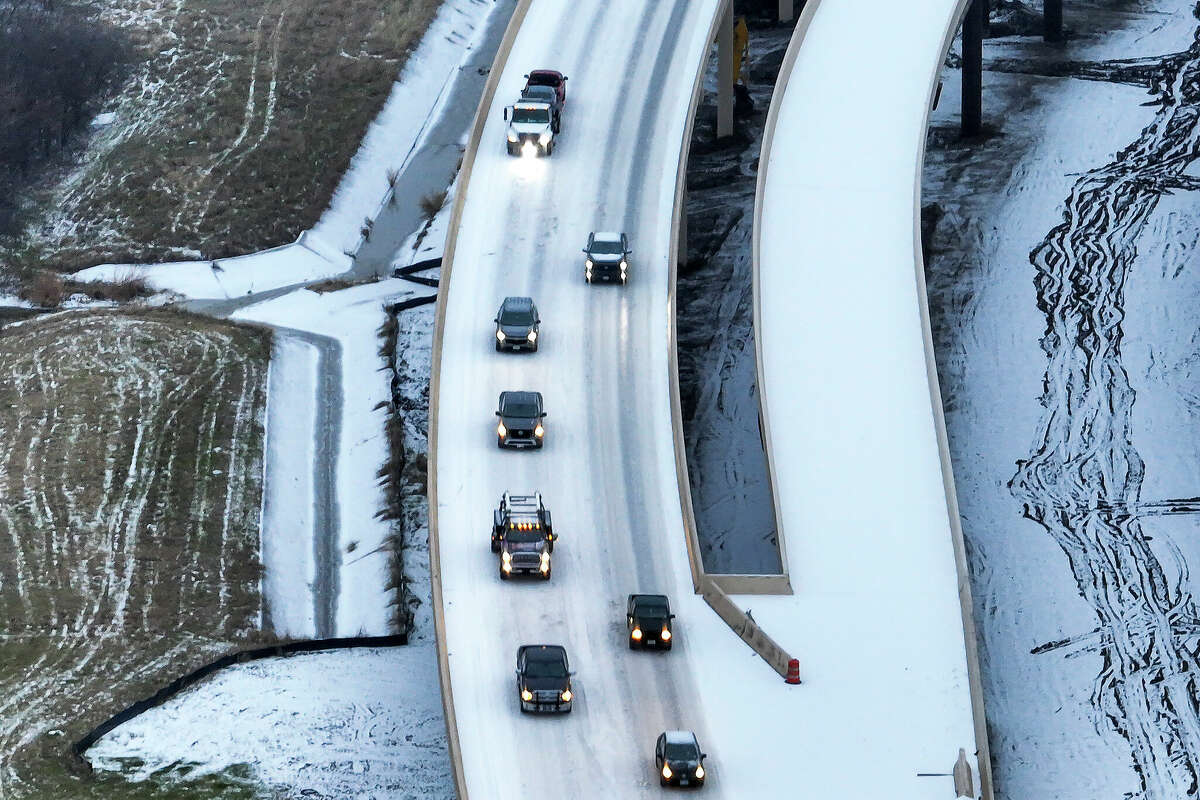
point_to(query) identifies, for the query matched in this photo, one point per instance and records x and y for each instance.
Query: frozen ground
(352, 723)
(735, 517)
(1062, 280)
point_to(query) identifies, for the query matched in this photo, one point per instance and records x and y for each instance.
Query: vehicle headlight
(512, 136)
(500, 429)
(500, 337)
(700, 771)
(545, 558)
(539, 431)
(667, 771)
(544, 139)
(506, 556)
(636, 634)
(666, 635)
(624, 264)
(589, 263)
(533, 336)
(526, 695)
(566, 695)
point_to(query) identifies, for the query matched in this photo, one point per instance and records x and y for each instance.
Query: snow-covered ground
(1070, 388)
(342, 724)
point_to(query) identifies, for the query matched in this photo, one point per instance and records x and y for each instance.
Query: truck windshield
(527, 535)
(531, 116)
(545, 669)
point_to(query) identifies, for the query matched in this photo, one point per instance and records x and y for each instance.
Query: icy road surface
(607, 471)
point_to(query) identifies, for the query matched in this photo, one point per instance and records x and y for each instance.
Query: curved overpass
(608, 470)
(850, 400)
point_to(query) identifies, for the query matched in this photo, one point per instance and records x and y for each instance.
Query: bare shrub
(432, 203)
(46, 289)
(124, 288)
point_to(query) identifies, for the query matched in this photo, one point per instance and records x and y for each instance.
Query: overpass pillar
(725, 73)
(785, 10)
(972, 68)
(1052, 21)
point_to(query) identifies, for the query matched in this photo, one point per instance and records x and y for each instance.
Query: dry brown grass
(432, 203)
(214, 167)
(45, 289)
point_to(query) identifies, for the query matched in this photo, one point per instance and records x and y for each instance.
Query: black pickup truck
(543, 678)
(523, 535)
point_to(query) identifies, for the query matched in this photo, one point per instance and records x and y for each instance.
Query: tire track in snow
(1083, 478)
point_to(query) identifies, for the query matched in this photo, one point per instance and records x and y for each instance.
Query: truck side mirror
(506, 113)
(497, 413)
(541, 415)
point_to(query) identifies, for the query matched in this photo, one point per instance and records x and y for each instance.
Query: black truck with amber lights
(543, 678)
(648, 617)
(523, 535)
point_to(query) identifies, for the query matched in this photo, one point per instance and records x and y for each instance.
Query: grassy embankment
(230, 135)
(130, 489)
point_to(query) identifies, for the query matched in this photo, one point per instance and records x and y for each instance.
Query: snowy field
(1063, 278)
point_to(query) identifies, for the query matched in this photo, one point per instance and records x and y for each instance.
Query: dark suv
(606, 257)
(543, 678)
(521, 418)
(649, 619)
(678, 759)
(517, 325)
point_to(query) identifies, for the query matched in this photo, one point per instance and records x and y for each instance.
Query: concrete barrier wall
(745, 627)
(983, 753)
(435, 561)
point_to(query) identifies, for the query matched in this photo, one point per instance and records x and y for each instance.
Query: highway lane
(607, 469)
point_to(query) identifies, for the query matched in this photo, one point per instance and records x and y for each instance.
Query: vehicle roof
(680, 737)
(543, 652)
(545, 73)
(607, 236)
(655, 599)
(517, 302)
(528, 397)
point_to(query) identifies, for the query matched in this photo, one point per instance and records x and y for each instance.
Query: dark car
(543, 678)
(517, 325)
(549, 77)
(678, 759)
(521, 418)
(649, 618)
(547, 95)
(606, 257)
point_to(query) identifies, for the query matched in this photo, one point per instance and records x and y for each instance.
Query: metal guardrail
(983, 750)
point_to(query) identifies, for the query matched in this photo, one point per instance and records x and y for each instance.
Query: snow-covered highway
(862, 478)
(607, 470)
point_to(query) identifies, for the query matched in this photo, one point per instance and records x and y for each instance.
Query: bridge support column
(725, 73)
(785, 10)
(972, 68)
(1052, 21)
